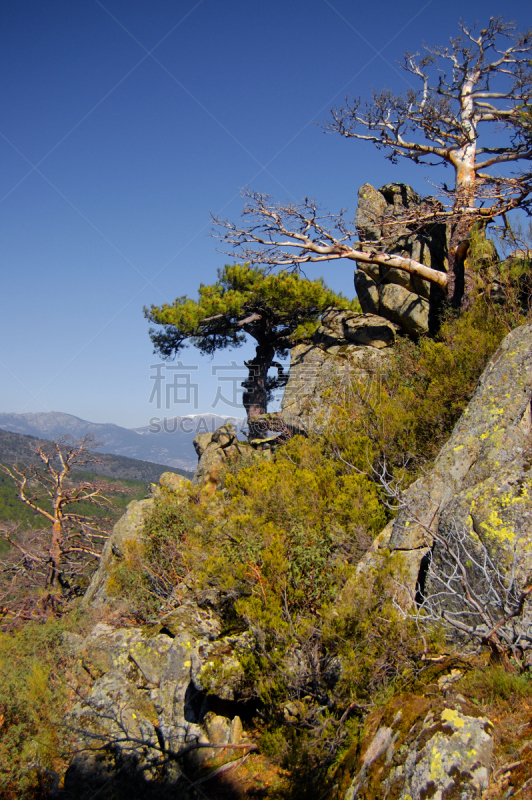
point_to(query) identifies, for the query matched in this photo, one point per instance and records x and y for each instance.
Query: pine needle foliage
(278, 311)
(289, 307)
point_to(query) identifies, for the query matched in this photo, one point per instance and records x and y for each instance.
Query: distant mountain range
(169, 442)
(16, 448)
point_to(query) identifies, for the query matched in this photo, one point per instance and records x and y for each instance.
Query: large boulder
(417, 747)
(342, 331)
(154, 693)
(405, 299)
(345, 347)
(481, 482)
(126, 534)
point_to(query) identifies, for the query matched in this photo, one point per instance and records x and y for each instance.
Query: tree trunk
(460, 281)
(255, 397)
(55, 555)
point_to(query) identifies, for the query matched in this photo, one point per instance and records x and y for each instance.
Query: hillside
(168, 442)
(268, 606)
(272, 603)
(16, 447)
(12, 510)
(128, 477)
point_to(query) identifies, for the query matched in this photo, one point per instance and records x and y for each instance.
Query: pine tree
(277, 310)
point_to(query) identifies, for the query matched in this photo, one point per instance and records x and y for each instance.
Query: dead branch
(480, 83)
(42, 567)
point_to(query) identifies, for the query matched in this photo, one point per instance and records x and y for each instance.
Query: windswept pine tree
(277, 310)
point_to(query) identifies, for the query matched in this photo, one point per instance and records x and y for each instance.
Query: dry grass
(506, 699)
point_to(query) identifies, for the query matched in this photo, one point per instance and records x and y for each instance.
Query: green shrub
(424, 386)
(495, 684)
(34, 695)
(279, 543)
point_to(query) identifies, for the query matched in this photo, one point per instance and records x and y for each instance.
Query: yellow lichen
(452, 716)
(436, 766)
(494, 526)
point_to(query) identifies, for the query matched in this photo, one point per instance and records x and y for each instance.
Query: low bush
(418, 396)
(279, 543)
(496, 685)
(34, 696)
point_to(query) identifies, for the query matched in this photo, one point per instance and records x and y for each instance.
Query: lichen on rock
(420, 747)
(346, 347)
(402, 298)
(127, 531)
(481, 480)
(216, 452)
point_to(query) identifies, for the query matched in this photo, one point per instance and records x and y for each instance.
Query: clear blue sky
(125, 122)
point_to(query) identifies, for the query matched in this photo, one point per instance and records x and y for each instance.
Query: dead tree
(478, 590)
(45, 564)
(466, 588)
(468, 114)
(468, 584)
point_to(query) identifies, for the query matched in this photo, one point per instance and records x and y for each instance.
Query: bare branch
(42, 566)
(275, 231)
(481, 79)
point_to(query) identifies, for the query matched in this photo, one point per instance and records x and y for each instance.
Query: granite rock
(346, 347)
(126, 532)
(404, 299)
(481, 481)
(420, 747)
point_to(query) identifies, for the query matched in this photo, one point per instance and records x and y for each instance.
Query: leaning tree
(41, 568)
(470, 113)
(277, 310)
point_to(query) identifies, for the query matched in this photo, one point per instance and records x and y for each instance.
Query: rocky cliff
(393, 302)
(346, 346)
(481, 482)
(171, 693)
(162, 694)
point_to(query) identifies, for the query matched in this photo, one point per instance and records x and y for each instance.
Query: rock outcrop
(172, 692)
(405, 299)
(481, 481)
(127, 533)
(153, 694)
(127, 530)
(215, 452)
(164, 692)
(346, 346)
(420, 747)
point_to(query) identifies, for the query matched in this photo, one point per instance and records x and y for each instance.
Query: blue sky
(124, 123)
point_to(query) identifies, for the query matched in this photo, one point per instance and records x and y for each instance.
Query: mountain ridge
(20, 448)
(166, 442)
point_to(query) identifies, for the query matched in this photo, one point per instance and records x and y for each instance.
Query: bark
(55, 555)
(255, 398)
(460, 281)
(51, 559)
